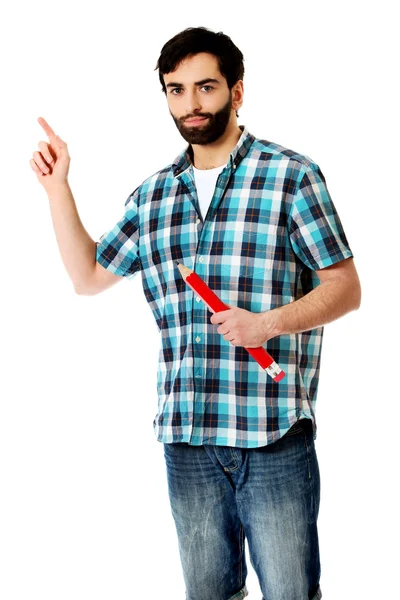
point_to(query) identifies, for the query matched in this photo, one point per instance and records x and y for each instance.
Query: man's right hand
(51, 164)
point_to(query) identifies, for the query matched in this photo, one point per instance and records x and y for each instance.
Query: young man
(255, 220)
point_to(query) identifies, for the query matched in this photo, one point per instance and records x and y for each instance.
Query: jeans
(221, 495)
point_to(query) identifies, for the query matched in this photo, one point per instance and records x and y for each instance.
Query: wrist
(273, 322)
(56, 188)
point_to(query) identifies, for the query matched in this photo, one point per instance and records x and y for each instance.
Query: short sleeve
(118, 249)
(316, 233)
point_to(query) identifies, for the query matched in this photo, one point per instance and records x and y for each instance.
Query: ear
(237, 95)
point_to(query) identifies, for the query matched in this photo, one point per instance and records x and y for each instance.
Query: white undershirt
(205, 186)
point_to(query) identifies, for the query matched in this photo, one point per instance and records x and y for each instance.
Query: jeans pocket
(299, 427)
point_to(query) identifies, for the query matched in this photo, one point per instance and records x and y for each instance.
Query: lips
(196, 121)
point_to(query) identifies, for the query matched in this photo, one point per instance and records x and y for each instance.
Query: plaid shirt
(271, 223)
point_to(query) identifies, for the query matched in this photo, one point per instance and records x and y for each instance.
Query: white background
(84, 508)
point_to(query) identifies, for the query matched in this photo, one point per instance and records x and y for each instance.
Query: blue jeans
(221, 495)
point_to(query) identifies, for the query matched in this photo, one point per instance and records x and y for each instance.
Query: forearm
(327, 302)
(77, 248)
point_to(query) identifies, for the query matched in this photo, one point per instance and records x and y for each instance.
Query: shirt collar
(184, 159)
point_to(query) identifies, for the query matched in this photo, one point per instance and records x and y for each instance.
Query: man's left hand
(241, 327)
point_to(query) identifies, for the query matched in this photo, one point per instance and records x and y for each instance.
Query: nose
(192, 103)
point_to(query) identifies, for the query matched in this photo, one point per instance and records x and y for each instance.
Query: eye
(210, 87)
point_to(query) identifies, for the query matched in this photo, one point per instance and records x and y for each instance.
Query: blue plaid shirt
(270, 225)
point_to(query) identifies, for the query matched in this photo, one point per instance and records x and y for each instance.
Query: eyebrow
(202, 82)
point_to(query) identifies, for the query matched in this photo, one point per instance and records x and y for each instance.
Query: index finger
(50, 133)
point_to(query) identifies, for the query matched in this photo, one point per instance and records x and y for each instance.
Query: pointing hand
(51, 164)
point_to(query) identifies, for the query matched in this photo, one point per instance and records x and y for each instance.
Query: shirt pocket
(247, 270)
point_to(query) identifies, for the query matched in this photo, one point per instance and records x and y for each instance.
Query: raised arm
(77, 248)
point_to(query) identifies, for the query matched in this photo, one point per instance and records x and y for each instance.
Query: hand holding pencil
(214, 303)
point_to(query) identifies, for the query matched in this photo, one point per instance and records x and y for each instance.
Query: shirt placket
(200, 266)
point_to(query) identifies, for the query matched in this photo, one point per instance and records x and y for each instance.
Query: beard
(212, 129)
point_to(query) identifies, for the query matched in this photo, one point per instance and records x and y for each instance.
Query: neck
(210, 156)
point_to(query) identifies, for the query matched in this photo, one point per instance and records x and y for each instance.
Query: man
(256, 221)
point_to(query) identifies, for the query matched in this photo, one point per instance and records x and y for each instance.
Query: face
(197, 89)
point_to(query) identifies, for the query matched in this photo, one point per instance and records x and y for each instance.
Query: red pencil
(214, 303)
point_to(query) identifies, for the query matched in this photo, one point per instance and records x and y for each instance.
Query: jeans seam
(310, 482)
(308, 456)
(241, 537)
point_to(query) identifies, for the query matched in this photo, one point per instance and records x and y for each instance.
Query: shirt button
(198, 339)
(198, 299)
(197, 221)
(201, 259)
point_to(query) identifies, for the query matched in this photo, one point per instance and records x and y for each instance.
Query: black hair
(193, 40)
